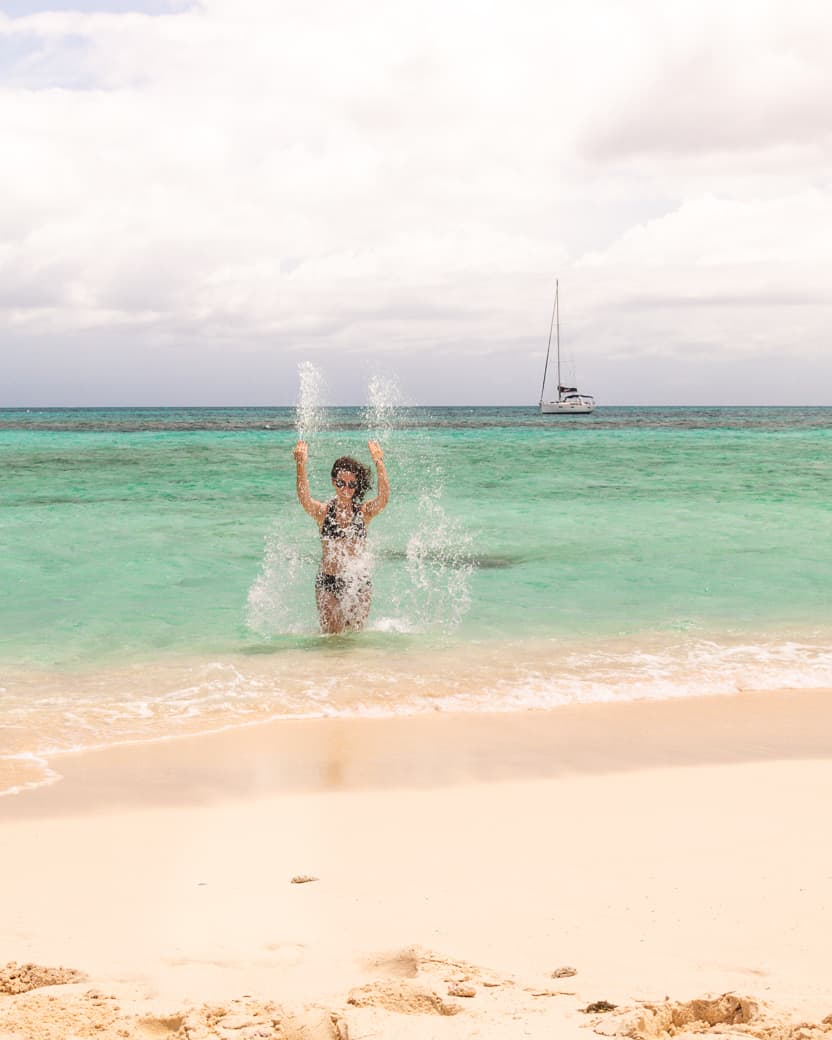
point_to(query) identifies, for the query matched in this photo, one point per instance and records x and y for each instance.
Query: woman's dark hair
(360, 471)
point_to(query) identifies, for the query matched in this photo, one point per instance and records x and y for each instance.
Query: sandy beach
(474, 876)
(415, 525)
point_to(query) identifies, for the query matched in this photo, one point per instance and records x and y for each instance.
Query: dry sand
(667, 854)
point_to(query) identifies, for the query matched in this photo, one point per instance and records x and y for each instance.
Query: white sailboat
(569, 401)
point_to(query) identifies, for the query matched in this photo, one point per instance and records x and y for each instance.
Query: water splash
(278, 600)
(437, 558)
(310, 416)
(420, 556)
(439, 564)
(381, 416)
(281, 591)
(281, 599)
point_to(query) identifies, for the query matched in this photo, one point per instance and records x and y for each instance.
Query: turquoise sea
(156, 571)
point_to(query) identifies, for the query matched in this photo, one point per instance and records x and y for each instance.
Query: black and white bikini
(354, 530)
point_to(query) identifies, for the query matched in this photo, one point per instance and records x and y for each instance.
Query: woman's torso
(343, 544)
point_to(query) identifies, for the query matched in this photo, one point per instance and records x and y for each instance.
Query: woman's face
(345, 484)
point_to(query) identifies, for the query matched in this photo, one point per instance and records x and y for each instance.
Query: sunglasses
(346, 483)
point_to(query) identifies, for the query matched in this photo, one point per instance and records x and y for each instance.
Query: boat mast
(557, 314)
(549, 346)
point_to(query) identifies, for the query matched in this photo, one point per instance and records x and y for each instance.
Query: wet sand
(666, 851)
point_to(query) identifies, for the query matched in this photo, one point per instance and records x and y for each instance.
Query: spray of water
(381, 415)
(279, 600)
(310, 417)
(437, 556)
(439, 566)
(419, 555)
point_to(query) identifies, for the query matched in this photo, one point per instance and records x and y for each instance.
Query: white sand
(447, 850)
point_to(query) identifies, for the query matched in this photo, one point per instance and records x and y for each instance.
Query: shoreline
(431, 749)
(668, 851)
(52, 715)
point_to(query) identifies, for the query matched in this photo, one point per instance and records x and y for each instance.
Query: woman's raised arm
(313, 508)
(374, 507)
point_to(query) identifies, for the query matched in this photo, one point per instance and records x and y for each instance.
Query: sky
(196, 197)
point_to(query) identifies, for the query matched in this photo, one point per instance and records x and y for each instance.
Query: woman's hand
(376, 452)
(301, 453)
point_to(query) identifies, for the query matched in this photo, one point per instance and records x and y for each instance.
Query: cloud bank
(194, 201)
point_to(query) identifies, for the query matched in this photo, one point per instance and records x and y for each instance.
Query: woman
(343, 586)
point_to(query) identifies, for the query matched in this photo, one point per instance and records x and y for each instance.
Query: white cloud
(741, 78)
(709, 231)
(375, 178)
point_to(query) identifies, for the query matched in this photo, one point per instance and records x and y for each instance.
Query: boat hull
(582, 406)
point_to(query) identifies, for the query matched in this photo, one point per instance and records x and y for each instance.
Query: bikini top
(356, 528)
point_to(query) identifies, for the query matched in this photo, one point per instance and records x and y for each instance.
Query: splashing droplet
(309, 415)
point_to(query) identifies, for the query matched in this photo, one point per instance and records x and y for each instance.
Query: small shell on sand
(303, 879)
(565, 972)
(459, 989)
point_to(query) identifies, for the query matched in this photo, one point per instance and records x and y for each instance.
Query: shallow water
(157, 571)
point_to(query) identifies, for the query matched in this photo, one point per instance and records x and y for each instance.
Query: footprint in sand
(159, 1028)
(709, 1017)
(21, 978)
(253, 1020)
(400, 964)
(670, 1018)
(406, 998)
(413, 977)
(416, 961)
(50, 1016)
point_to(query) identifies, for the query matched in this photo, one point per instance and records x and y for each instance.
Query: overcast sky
(195, 197)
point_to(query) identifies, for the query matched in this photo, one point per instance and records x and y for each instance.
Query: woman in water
(343, 587)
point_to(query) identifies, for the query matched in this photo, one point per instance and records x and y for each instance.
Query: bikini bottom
(343, 587)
